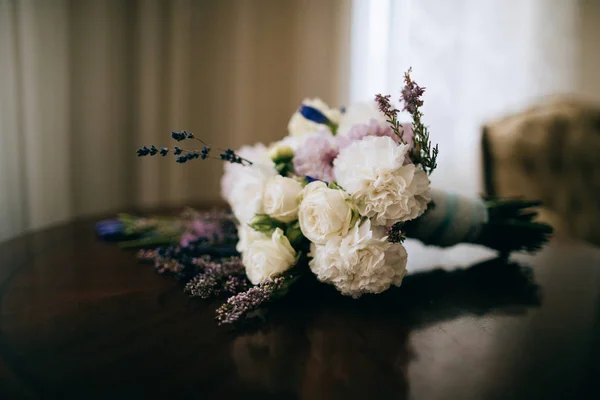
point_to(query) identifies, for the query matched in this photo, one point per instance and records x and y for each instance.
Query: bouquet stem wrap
(450, 219)
(502, 224)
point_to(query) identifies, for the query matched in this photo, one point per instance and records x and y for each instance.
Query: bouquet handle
(503, 224)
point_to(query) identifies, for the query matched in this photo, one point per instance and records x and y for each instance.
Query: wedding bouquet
(335, 199)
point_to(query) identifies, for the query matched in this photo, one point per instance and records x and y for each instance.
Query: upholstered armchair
(549, 152)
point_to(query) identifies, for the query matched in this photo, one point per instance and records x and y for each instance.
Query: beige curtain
(86, 82)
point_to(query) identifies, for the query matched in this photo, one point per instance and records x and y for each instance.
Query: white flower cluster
(340, 226)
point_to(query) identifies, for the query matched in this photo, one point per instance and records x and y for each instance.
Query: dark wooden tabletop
(79, 318)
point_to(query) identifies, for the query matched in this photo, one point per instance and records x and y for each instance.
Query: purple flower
(411, 94)
(216, 278)
(375, 128)
(243, 303)
(361, 131)
(315, 157)
(385, 106)
(215, 227)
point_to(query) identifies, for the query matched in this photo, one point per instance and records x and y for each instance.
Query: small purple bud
(192, 155)
(143, 151)
(179, 135)
(164, 151)
(205, 152)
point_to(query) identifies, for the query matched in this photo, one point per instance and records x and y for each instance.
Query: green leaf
(294, 235)
(264, 223)
(284, 168)
(335, 186)
(334, 128)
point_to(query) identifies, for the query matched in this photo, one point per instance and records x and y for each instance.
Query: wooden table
(81, 319)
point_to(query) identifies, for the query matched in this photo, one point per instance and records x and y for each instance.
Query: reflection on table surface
(80, 317)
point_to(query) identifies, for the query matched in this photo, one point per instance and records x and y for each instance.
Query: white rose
(324, 212)
(247, 236)
(257, 154)
(362, 262)
(279, 199)
(300, 126)
(384, 189)
(246, 195)
(266, 258)
(360, 113)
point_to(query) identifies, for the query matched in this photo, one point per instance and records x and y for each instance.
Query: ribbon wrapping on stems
(452, 219)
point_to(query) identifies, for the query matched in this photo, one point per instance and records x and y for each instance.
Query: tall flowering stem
(422, 152)
(391, 113)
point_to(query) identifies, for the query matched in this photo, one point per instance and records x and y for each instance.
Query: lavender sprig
(242, 304)
(422, 151)
(391, 113)
(411, 94)
(184, 156)
(217, 278)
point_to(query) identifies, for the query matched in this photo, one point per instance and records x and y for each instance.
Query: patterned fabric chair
(549, 152)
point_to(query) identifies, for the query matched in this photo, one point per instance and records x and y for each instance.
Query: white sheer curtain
(83, 83)
(479, 59)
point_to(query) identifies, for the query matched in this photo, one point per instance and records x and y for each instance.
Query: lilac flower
(315, 157)
(243, 303)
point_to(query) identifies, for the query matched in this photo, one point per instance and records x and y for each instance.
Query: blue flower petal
(109, 228)
(314, 115)
(310, 179)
